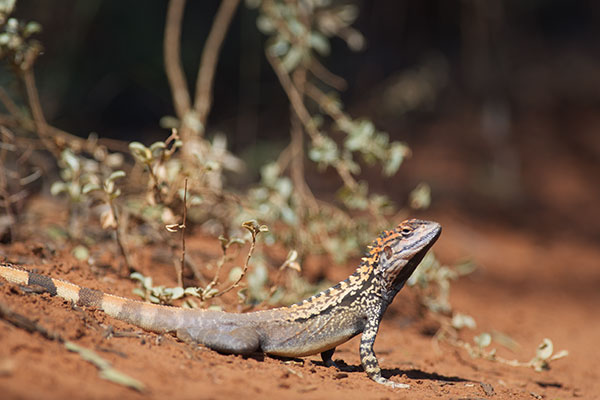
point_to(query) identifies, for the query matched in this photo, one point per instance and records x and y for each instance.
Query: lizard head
(399, 251)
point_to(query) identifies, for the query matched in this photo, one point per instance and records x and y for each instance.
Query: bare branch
(304, 116)
(120, 241)
(172, 55)
(9, 104)
(295, 98)
(210, 54)
(183, 226)
(307, 199)
(325, 75)
(38, 115)
(245, 268)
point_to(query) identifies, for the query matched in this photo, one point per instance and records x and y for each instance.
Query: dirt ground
(525, 287)
(537, 276)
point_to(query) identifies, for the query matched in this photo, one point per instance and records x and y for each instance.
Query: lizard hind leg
(241, 340)
(327, 357)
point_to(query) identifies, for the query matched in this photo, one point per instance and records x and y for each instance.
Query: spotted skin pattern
(316, 325)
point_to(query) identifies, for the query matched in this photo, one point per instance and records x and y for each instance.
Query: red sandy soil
(525, 287)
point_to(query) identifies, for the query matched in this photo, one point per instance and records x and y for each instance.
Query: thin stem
(210, 55)
(38, 114)
(295, 98)
(224, 259)
(284, 158)
(325, 75)
(119, 238)
(62, 137)
(7, 137)
(183, 226)
(172, 58)
(244, 270)
(9, 104)
(307, 199)
(22, 322)
(300, 109)
(328, 105)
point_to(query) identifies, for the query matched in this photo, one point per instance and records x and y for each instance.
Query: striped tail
(148, 316)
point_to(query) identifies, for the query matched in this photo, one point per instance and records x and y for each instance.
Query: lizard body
(316, 325)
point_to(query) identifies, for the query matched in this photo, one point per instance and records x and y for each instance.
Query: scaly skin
(315, 325)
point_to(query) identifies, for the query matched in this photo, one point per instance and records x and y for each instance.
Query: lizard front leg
(368, 358)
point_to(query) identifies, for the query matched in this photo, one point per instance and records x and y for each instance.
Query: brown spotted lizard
(315, 325)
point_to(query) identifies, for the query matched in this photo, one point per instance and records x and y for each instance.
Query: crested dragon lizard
(315, 325)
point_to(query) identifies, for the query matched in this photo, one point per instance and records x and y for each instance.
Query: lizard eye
(388, 251)
(406, 231)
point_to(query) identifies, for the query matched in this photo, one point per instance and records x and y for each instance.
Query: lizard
(315, 325)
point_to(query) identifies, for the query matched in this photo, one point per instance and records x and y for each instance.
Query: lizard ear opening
(388, 251)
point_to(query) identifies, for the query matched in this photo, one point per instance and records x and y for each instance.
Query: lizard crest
(390, 260)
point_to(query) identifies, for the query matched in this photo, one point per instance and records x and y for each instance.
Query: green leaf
(293, 57)
(169, 122)
(545, 349)
(320, 43)
(360, 136)
(269, 174)
(7, 6)
(396, 155)
(4, 38)
(192, 291)
(460, 321)
(89, 187)
(57, 188)
(279, 48)
(284, 187)
(355, 199)
(264, 24)
(140, 292)
(116, 175)
(176, 293)
(420, 197)
(140, 152)
(288, 215)
(31, 28)
(88, 355)
(483, 340)
(122, 379)
(325, 152)
(235, 273)
(157, 146)
(210, 293)
(296, 27)
(81, 253)
(71, 160)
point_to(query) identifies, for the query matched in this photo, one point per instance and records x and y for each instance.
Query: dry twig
(300, 109)
(210, 54)
(183, 226)
(172, 54)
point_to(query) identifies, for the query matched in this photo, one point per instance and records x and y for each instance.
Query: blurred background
(499, 101)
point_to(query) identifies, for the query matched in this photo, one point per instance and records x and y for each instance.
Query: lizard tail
(148, 316)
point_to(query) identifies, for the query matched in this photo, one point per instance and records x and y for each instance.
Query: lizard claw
(330, 363)
(392, 384)
(397, 385)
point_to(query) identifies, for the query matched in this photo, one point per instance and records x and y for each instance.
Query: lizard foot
(392, 384)
(330, 363)
(397, 385)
